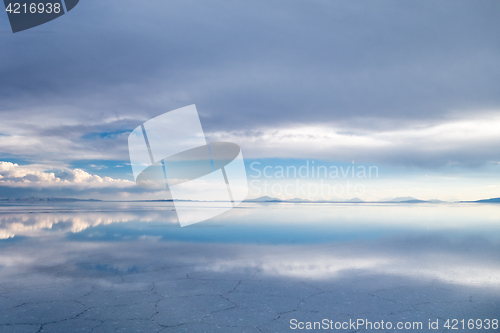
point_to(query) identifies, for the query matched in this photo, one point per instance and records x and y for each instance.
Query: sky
(409, 87)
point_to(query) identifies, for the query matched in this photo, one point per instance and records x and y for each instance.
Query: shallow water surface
(104, 267)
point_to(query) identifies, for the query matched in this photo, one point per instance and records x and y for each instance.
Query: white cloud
(460, 141)
(15, 175)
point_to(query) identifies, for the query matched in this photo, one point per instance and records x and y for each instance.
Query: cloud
(42, 139)
(13, 174)
(464, 141)
(380, 70)
(39, 180)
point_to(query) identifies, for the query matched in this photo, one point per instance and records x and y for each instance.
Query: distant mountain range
(42, 199)
(409, 200)
(299, 200)
(262, 199)
(492, 200)
(353, 200)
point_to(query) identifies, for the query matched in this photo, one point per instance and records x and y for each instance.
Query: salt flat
(124, 274)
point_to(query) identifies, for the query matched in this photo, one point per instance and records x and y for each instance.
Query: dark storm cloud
(300, 61)
(248, 65)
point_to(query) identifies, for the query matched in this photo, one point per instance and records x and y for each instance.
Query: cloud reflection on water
(37, 225)
(412, 262)
(267, 223)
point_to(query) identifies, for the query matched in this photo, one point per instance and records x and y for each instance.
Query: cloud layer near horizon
(398, 83)
(472, 141)
(12, 173)
(38, 180)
